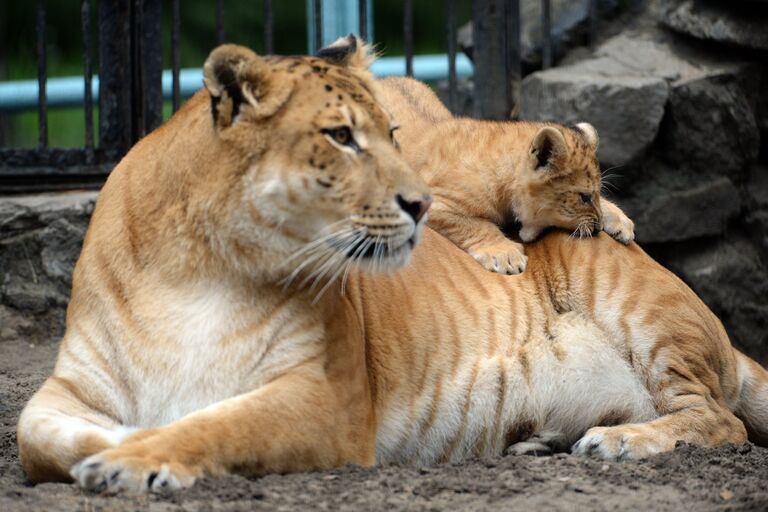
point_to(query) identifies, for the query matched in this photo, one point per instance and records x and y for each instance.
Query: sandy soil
(730, 478)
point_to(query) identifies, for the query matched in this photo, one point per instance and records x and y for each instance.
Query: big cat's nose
(416, 208)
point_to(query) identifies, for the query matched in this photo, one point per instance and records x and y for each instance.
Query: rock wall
(40, 239)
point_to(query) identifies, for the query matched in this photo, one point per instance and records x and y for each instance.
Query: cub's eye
(586, 198)
(342, 135)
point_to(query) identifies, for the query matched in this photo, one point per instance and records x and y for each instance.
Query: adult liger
(217, 325)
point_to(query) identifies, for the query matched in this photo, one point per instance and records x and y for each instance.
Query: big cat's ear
(547, 143)
(589, 132)
(348, 51)
(239, 82)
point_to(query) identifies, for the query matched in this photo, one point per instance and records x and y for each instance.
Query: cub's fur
(484, 174)
(197, 345)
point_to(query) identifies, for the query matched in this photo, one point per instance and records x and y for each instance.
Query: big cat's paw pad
(111, 473)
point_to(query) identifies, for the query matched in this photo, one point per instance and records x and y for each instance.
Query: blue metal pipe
(68, 91)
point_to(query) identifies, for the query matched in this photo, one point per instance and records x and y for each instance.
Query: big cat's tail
(752, 406)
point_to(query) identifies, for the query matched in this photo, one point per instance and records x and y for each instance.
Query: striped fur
(188, 353)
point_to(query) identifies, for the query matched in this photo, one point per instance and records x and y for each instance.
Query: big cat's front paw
(133, 470)
(622, 442)
(504, 257)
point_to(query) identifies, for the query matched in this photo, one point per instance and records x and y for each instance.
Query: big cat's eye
(342, 135)
(586, 198)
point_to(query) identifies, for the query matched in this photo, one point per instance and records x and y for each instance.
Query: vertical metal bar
(137, 72)
(592, 22)
(492, 57)
(363, 18)
(451, 22)
(114, 76)
(175, 55)
(219, 21)
(269, 41)
(546, 32)
(318, 19)
(408, 36)
(42, 101)
(514, 60)
(151, 55)
(85, 19)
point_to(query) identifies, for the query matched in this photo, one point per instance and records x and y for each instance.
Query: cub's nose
(416, 208)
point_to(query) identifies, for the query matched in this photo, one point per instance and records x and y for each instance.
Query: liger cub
(484, 174)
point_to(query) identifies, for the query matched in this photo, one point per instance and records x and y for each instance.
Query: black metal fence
(130, 79)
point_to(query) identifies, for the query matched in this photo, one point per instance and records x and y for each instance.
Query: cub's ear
(589, 133)
(239, 81)
(548, 142)
(348, 51)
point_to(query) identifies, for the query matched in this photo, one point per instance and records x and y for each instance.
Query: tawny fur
(485, 174)
(187, 353)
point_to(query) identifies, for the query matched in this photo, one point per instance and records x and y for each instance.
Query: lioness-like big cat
(227, 317)
(488, 174)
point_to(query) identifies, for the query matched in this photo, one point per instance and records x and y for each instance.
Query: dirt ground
(730, 478)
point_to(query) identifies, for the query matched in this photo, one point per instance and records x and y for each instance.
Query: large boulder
(710, 125)
(626, 110)
(737, 23)
(40, 240)
(666, 213)
(756, 206)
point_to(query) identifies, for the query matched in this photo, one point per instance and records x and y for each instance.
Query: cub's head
(311, 160)
(561, 181)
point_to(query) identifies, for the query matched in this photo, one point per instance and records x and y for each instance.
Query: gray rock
(761, 113)
(664, 215)
(710, 126)
(626, 110)
(756, 203)
(738, 23)
(40, 239)
(730, 278)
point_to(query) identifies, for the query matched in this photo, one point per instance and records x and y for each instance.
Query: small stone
(726, 495)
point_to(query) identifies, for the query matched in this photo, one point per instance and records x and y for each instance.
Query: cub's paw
(503, 258)
(619, 227)
(118, 469)
(623, 442)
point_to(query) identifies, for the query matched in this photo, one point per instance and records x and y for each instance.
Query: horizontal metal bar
(55, 160)
(68, 91)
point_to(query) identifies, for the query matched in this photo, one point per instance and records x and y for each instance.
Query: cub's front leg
(297, 422)
(616, 223)
(481, 239)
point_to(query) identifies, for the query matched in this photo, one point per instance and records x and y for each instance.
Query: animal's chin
(384, 257)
